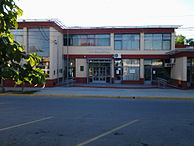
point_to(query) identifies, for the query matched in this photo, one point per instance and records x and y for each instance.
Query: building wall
(81, 62)
(56, 54)
(179, 69)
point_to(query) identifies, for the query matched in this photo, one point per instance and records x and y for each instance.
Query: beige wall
(81, 62)
(56, 53)
(179, 69)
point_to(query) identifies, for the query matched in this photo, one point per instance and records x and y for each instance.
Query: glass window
(190, 70)
(87, 40)
(102, 40)
(118, 45)
(38, 41)
(127, 41)
(131, 69)
(18, 35)
(157, 41)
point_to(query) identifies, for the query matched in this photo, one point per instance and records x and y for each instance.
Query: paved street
(58, 121)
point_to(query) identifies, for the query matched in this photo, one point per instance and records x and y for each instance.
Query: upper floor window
(18, 35)
(87, 40)
(127, 41)
(157, 41)
(38, 41)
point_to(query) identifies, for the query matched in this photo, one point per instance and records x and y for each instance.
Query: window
(131, 69)
(127, 41)
(38, 41)
(157, 41)
(18, 35)
(87, 40)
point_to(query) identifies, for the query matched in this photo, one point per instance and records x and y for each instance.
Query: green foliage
(15, 64)
(190, 41)
(180, 40)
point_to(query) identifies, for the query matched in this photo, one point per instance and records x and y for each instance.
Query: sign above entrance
(98, 60)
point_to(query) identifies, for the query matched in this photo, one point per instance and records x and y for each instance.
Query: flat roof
(115, 27)
(59, 23)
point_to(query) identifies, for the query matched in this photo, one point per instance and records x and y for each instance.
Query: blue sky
(114, 12)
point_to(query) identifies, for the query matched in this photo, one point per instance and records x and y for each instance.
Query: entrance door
(148, 74)
(99, 74)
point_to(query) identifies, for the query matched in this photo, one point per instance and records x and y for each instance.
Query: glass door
(148, 74)
(99, 74)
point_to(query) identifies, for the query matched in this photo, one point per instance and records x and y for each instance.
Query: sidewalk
(108, 92)
(153, 93)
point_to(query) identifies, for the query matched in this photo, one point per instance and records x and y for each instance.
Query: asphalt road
(57, 121)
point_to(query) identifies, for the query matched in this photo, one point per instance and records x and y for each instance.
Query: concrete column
(141, 69)
(184, 75)
(25, 39)
(53, 54)
(141, 41)
(112, 40)
(173, 41)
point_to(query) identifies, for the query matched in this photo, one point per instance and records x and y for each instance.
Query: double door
(99, 74)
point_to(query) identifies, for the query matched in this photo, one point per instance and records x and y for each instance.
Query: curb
(101, 96)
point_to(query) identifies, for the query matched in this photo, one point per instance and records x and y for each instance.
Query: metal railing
(162, 83)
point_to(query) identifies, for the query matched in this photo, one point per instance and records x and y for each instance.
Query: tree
(190, 41)
(15, 64)
(180, 40)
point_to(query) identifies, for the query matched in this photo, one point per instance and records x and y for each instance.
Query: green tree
(180, 40)
(190, 41)
(15, 64)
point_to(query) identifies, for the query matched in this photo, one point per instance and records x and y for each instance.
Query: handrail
(162, 83)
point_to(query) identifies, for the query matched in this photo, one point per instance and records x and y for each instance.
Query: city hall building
(114, 55)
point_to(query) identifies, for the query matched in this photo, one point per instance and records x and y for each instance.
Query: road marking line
(106, 133)
(26, 123)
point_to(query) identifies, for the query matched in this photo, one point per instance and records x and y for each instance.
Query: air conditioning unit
(118, 55)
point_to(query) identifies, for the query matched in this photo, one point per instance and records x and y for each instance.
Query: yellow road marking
(27, 123)
(106, 133)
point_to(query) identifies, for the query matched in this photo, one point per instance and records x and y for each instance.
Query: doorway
(99, 74)
(148, 74)
(99, 71)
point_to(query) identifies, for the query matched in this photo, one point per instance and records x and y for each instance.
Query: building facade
(115, 55)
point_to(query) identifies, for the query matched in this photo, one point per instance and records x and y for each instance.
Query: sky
(114, 12)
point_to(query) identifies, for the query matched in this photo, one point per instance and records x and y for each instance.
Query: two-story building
(116, 55)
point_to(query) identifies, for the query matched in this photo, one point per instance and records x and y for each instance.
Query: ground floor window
(154, 68)
(69, 68)
(190, 70)
(131, 69)
(126, 69)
